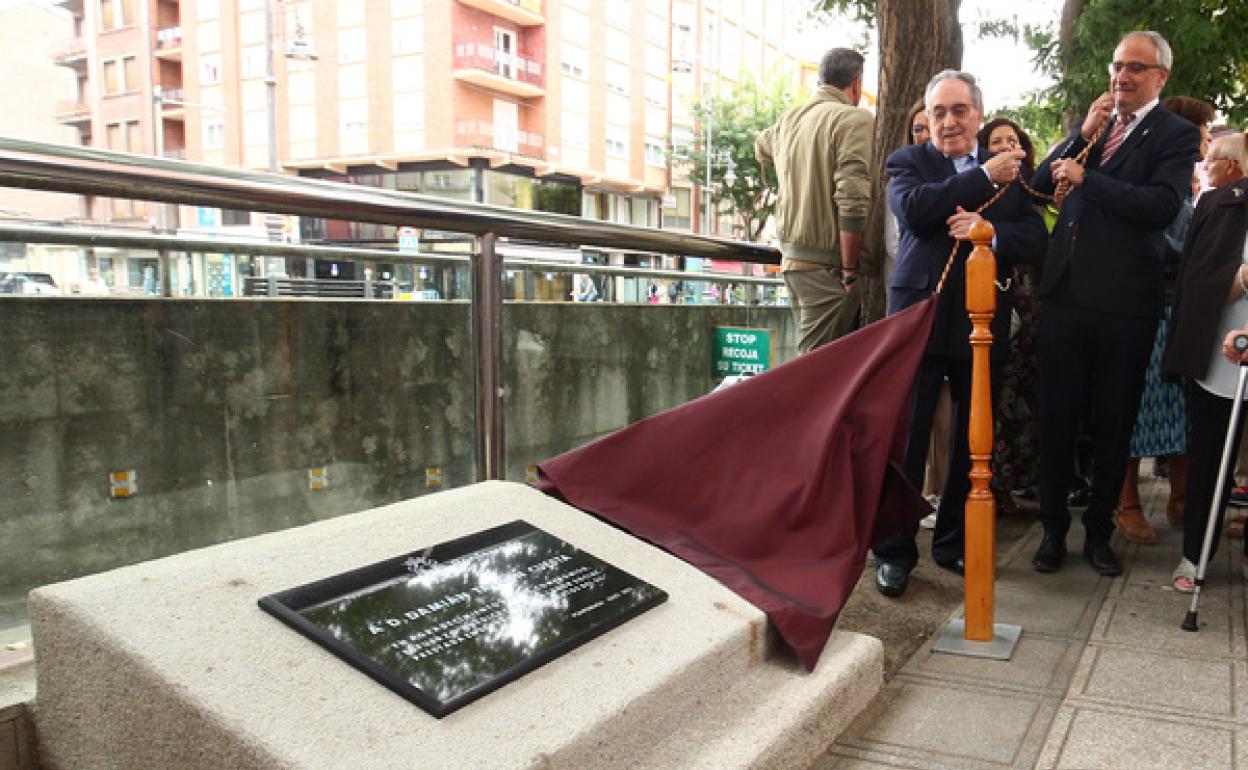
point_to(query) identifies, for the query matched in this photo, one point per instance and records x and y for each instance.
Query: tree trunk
(1071, 10)
(918, 38)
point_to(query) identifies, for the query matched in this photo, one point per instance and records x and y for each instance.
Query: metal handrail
(87, 171)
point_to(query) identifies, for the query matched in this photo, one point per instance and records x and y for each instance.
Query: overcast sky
(1003, 67)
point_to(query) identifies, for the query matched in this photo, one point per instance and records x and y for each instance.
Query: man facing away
(1102, 292)
(934, 190)
(821, 152)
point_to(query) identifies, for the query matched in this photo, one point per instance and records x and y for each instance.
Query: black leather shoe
(891, 580)
(956, 566)
(1050, 555)
(1102, 558)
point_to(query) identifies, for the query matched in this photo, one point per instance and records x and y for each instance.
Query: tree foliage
(736, 118)
(1208, 38)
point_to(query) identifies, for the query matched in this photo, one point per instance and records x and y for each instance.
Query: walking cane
(1219, 497)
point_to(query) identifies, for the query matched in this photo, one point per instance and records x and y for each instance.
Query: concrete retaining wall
(221, 407)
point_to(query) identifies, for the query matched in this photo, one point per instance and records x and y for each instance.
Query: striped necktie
(1117, 135)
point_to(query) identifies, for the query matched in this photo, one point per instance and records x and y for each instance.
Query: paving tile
(1165, 683)
(834, 762)
(1039, 663)
(1058, 605)
(1147, 576)
(1147, 626)
(954, 725)
(1110, 740)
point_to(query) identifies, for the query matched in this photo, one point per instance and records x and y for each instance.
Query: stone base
(170, 663)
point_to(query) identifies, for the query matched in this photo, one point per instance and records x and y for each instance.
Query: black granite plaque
(445, 625)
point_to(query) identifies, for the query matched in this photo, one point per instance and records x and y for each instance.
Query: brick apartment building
(561, 105)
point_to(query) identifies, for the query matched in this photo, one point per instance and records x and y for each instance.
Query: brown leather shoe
(1133, 526)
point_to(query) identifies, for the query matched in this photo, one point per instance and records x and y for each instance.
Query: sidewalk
(1103, 677)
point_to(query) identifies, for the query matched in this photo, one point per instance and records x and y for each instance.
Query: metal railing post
(487, 323)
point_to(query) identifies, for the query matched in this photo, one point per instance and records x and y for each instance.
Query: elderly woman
(1211, 300)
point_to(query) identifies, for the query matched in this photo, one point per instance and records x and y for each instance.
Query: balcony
(169, 43)
(494, 137)
(485, 66)
(73, 112)
(72, 54)
(526, 13)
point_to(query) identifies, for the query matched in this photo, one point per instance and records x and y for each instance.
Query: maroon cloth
(776, 486)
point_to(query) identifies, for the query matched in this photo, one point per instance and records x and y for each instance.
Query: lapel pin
(1238, 193)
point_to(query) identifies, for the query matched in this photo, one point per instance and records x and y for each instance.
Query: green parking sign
(740, 351)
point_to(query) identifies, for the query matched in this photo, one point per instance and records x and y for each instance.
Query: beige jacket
(822, 153)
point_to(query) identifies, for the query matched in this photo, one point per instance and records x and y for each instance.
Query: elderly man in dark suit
(1102, 291)
(934, 190)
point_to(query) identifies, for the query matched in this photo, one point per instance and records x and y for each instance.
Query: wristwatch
(847, 279)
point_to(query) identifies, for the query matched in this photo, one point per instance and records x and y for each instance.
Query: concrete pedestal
(170, 663)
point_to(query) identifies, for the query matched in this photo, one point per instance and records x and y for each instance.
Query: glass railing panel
(133, 426)
(576, 370)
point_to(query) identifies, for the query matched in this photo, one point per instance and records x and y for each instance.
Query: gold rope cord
(1059, 194)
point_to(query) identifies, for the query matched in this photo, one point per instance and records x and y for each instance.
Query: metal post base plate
(952, 640)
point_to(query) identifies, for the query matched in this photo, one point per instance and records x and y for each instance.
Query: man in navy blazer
(1102, 291)
(934, 190)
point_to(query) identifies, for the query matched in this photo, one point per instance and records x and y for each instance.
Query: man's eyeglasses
(1211, 161)
(1132, 67)
(958, 111)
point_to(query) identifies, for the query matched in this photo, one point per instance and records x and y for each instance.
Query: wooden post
(981, 304)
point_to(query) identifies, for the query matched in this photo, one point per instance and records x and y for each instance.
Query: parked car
(27, 283)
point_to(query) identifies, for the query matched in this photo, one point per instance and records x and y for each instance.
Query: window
(350, 13)
(207, 10)
(656, 30)
(617, 142)
(619, 14)
(210, 69)
(409, 112)
(253, 63)
(505, 52)
(235, 218)
(575, 130)
(121, 75)
(353, 116)
(214, 132)
(619, 45)
(656, 92)
(134, 140)
(302, 122)
(113, 137)
(620, 109)
(255, 129)
(655, 156)
(575, 27)
(677, 215)
(402, 8)
(574, 60)
(112, 77)
(618, 76)
(575, 93)
(115, 14)
(407, 36)
(352, 45)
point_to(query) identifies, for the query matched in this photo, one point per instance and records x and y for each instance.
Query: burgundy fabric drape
(776, 486)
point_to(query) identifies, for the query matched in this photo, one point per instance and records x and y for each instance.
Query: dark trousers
(947, 539)
(1088, 359)
(1208, 417)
